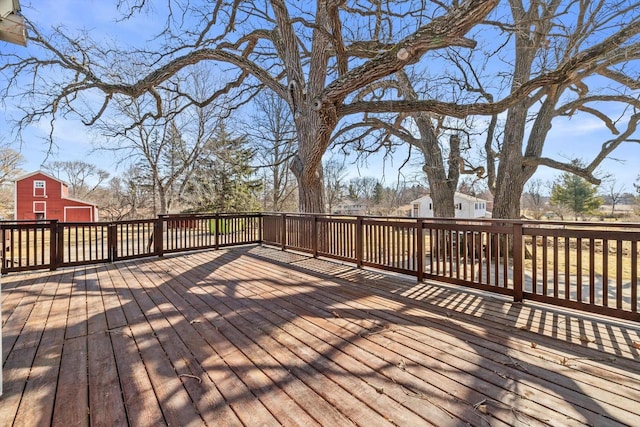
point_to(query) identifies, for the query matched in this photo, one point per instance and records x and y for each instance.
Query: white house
(350, 208)
(467, 207)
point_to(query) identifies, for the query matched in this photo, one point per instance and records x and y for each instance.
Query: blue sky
(580, 136)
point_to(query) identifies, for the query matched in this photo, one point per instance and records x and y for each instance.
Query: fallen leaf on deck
(584, 339)
(636, 345)
(533, 345)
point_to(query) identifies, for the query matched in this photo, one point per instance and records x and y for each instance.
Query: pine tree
(576, 194)
(224, 180)
(378, 193)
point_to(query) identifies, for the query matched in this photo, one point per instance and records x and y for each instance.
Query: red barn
(41, 196)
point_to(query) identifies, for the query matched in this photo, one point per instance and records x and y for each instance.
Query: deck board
(257, 336)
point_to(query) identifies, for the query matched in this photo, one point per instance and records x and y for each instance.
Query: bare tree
(534, 41)
(534, 198)
(272, 133)
(613, 192)
(83, 178)
(601, 34)
(125, 197)
(334, 181)
(309, 56)
(167, 149)
(442, 161)
(10, 161)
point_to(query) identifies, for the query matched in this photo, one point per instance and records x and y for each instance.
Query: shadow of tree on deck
(257, 336)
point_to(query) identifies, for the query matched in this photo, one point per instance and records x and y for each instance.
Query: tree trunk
(313, 127)
(162, 195)
(442, 183)
(510, 183)
(512, 176)
(311, 193)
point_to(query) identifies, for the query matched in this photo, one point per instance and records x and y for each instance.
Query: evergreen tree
(224, 179)
(576, 194)
(378, 193)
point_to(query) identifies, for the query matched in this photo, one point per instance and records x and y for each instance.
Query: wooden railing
(32, 245)
(587, 266)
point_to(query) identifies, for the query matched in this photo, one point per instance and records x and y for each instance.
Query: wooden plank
(282, 406)
(143, 407)
(36, 406)
(77, 318)
(17, 312)
(105, 398)
(72, 400)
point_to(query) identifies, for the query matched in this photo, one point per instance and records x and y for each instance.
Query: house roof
(30, 174)
(458, 195)
(80, 201)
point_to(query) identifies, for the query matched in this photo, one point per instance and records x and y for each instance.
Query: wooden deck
(254, 336)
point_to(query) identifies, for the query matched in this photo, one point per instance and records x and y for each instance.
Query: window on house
(416, 210)
(39, 210)
(430, 206)
(39, 188)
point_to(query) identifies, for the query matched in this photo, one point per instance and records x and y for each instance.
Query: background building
(41, 196)
(467, 207)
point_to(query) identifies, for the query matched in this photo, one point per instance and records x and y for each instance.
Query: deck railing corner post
(419, 251)
(283, 232)
(216, 233)
(56, 245)
(518, 261)
(314, 234)
(359, 241)
(158, 231)
(3, 254)
(112, 241)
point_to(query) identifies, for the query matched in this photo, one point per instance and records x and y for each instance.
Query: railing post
(359, 241)
(216, 227)
(419, 250)
(261, 227)
(314, 235)
(283, 232)
(158, 233)
(112, 241)
(518, 260)
(3, 250)
(56, 245)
